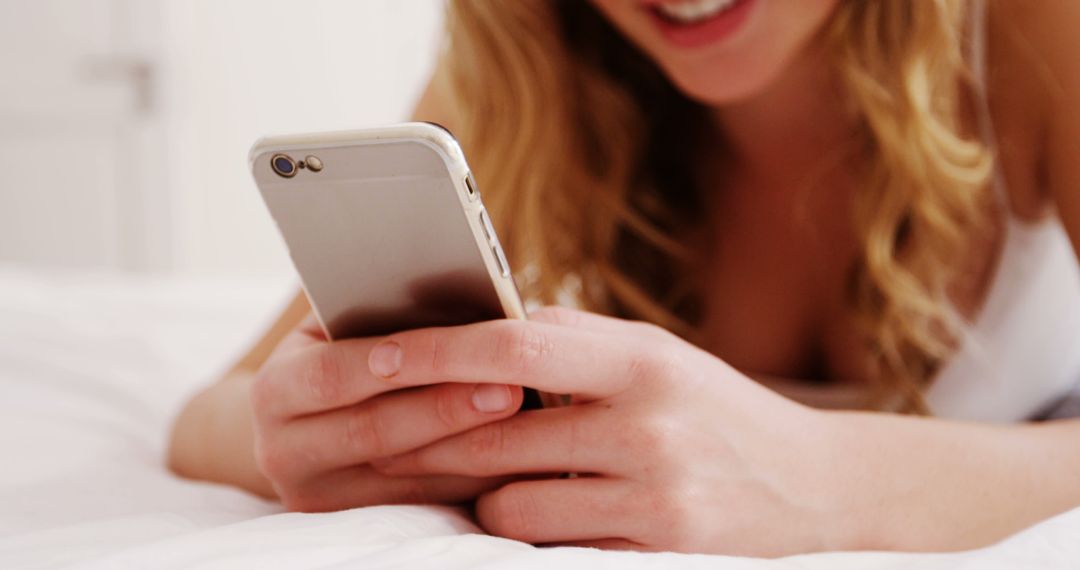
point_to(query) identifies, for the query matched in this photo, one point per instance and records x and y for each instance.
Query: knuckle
(272, 461)
(441, 363)
(485, 446)
(520, 346)
(322, 375)
(448, 406)
(263, 395)
(640, 368)
(365, 434)
(660, 364)
(511, 513)
(655, 434)
(557, 315)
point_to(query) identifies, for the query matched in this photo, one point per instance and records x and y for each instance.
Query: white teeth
(691, 11)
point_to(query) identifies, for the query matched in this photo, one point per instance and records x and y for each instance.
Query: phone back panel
(386, 236)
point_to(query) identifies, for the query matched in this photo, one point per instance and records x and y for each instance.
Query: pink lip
(713, 30)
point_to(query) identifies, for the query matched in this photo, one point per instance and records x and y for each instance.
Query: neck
(799, 121)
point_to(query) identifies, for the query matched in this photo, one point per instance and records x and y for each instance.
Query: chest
(775, 279)
(778, 278)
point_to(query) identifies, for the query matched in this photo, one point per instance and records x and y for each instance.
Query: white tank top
(1021, 353)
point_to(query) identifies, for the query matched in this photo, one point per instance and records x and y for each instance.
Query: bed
(93, 367)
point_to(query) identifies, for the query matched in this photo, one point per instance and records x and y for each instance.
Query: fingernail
(491, 398)
(385, 359)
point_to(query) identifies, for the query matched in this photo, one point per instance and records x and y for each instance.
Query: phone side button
(470, 187)
(485, 222)
(500, 259)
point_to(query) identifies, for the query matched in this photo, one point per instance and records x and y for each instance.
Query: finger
(558, 510)
(361, 487)
(547, 357)
(567, 317)
(576, 439)
(319, 377)
(390, 424)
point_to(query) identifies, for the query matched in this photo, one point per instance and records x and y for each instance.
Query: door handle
(139, 73)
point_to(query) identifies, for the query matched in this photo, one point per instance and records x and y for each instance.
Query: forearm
(213, 438)
(927, 484)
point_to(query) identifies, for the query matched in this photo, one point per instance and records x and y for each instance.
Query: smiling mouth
(689, 12)
(695, 24)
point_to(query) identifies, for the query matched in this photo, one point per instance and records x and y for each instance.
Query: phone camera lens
(283, 165)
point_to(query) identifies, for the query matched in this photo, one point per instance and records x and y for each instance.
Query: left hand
(674, 449)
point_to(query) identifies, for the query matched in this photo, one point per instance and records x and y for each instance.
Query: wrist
(922, 484)
(816, 475)
(851, 511)
(886, 482)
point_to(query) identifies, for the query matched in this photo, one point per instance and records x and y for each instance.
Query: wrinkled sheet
(93, 367)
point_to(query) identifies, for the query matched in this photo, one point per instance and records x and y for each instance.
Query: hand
(675, 450)
(320, 416)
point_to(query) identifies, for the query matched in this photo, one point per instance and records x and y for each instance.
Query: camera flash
(314, 164)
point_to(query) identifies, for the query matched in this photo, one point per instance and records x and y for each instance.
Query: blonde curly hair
(587, 187)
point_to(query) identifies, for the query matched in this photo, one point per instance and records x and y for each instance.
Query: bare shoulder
(1039, 74)
(1034, 91)
(1043, 37)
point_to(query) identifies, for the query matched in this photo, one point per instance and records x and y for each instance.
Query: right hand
(321, 416)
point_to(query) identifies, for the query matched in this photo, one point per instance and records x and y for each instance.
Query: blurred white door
(80, 138)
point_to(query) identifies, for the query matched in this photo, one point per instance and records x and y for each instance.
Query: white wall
(125, 124)
(81, 137)
(239, 69)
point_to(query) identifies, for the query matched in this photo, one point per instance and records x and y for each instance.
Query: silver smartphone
(387, 230)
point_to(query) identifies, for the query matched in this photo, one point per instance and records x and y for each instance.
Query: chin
(720, 52)
(717, 85)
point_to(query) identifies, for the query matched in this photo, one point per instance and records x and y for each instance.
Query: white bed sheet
(92, 369)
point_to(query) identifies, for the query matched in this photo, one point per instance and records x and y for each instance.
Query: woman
(809, 194)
